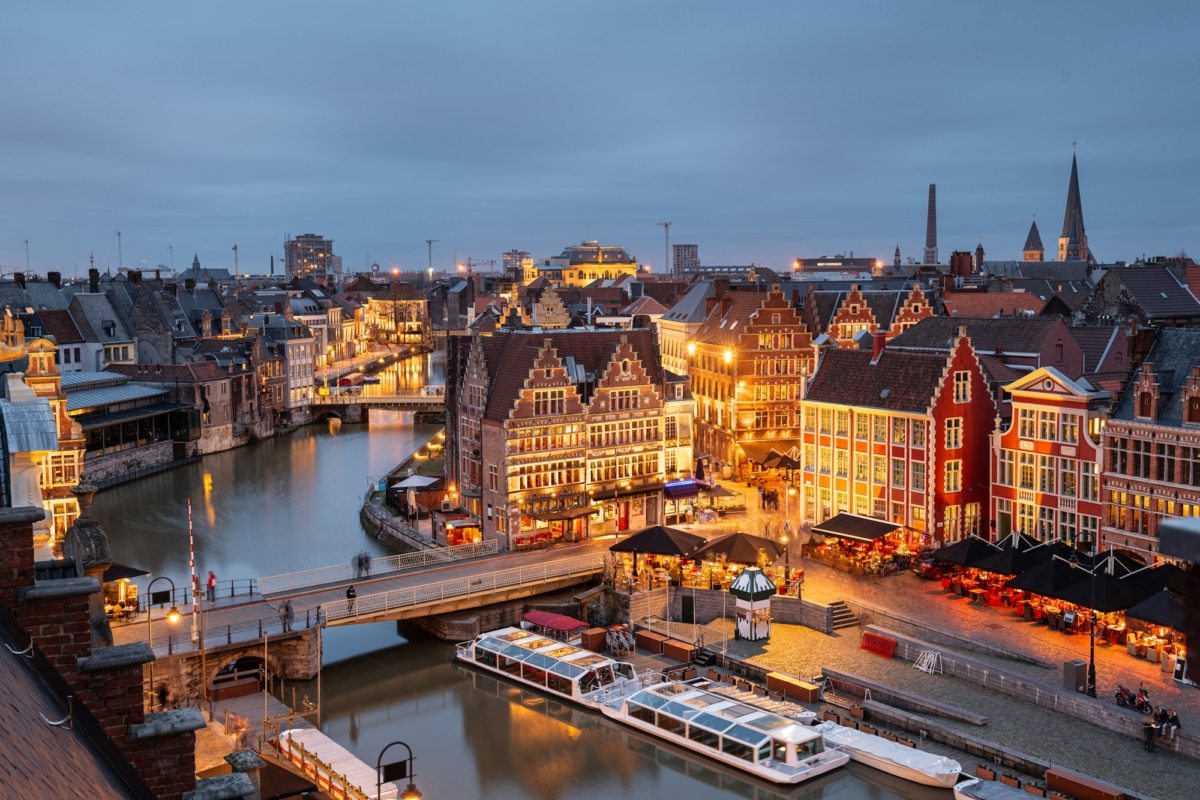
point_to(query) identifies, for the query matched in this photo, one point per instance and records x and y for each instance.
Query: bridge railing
(341, 573)
(402, 398)
(178, 637)
(408, 597)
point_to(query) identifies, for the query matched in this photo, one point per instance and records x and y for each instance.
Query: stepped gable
(897, 381)
(1170, 362)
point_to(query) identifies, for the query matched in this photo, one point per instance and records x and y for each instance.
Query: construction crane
(431, 243)
(666, 226)
(475, 262)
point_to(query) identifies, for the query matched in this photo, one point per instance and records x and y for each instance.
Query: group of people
(768, 498)
(1164, 723)
(362, 564)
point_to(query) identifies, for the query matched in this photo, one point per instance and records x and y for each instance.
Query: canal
(292, 503)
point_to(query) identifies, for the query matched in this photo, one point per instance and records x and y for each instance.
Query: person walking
(350, 595)
(212, 587)
(366, 560)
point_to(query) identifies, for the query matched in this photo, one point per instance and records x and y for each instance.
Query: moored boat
(893, 758)
(753, 740)
(976, 789)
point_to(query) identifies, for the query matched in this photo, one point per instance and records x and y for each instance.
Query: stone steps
(843, 617)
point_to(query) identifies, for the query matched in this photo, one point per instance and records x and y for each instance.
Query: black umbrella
(967, 552)
(740, 548)
(772, 460)
(1048, 578)
(660, 541)
(1154, 579)
(116, 572)
(1165, 609)
(1012, 559)
(699, 470)
(1102, 592)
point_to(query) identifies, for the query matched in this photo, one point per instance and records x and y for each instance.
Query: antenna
(235, 260)
(666, 226)
(120, 258)
(27, 255)
(172, 248)
(431, 243)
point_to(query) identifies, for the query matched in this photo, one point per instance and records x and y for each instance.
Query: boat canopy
(926, 763)
(721, 715)
(554, 622)
(538, 651)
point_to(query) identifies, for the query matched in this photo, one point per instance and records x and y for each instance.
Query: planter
(858, 713)
(986, 774)
(891, 737)
(1040, 791)
(907, 743)
(829, 716)
(868, 729)
(1011, 780)
(689, 673)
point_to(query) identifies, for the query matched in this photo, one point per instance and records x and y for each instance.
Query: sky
(763, 131)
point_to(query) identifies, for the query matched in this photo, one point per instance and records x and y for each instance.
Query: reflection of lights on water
(207, 485)
(210, 511)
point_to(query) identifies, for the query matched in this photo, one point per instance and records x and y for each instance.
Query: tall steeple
(1033, 250)
(931, 250)
(980, 256)
(1073, 221)
(896, 260)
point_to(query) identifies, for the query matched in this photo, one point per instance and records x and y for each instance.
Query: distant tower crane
(666, 226)
(431, 243)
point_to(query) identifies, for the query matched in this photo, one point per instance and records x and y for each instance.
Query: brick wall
(152, 455)
(709, 605)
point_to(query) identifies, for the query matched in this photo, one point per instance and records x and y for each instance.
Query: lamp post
(787, 562)
(1091, 677)
(172, 617)
(395, 770)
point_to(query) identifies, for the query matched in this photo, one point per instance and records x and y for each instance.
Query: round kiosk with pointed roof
(753, 590)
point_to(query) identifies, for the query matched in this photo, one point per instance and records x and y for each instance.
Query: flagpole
(192, 564)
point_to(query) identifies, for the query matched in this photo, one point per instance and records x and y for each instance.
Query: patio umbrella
(772, 460)
(1165, 609)
(117, 572)
(1102, 592)
(718, 491)
(660, 540)
(1048, 578)
(1154, 579)
(740, 548)
(699, 470)
(1010, 559)
(966, 552)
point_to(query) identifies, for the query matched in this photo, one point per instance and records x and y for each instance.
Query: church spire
(1033, 250)
(1073, 220)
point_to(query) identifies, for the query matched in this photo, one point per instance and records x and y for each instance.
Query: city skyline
(488, 130)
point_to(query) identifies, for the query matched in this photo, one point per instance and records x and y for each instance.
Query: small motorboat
(893, 758)
(977, 789)
(370, 379)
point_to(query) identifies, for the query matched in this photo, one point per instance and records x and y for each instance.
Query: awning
(93, 421)
(740, 548)
(120, 572)
(633, 491)
(758, 449)
(719, 491)
(415, 482)
(554, 622)
(677, 490)
(462, 523)
(859, 529)
(570, 513)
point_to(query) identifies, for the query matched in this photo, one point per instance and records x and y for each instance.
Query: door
(623, 515)
(1004, 524)
(689, 609)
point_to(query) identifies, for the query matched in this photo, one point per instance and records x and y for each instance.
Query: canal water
(292, 503)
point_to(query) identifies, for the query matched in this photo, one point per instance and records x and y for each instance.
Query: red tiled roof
(991, 304)
(644, 305)
(1094, 341)
(899, 381)
(999, 372)
(195, 371)
(741, 306)
(58, 323)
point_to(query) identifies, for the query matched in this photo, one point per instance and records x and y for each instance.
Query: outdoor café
(861, 545)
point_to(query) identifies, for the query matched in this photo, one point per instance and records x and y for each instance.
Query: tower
(931, 254)
(980, 256)
(1033, 250)
(1073, 223)
(896, 260)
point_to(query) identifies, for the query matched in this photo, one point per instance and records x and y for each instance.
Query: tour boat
(561, 668)
(893, 758)
(976, 789)
(753, 740)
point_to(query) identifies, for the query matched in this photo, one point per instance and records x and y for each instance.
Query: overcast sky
(763, 131)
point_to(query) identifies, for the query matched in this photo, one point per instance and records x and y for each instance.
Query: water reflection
(477, 736)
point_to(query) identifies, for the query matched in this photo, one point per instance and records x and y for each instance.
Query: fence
(700, 635)
(181, 640)
(341, 573)
(322, 774)
(460, 587)
(183, 597)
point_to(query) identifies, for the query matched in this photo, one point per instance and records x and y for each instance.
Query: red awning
(554, 622)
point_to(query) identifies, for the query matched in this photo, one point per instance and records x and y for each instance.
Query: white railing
(696, 634)
(396, 599)
(341, 573)
(346, 398)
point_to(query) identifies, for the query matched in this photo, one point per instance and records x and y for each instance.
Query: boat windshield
(680, 710)
(541, 661)
(515, 653)
(702, 700)
(648, 699)
(568, 670)
(494, 645)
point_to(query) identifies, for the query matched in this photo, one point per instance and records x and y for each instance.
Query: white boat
(976, 789)
(758, 742)
(893, 758)
(561, 668)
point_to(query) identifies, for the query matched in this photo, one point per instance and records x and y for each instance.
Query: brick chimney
(55, 279)
(94, 280)
(878, 344)
(190, 285)
(19, 279)
(135, 275)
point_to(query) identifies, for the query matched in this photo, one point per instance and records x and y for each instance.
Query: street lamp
(172, 617)
(397, 770)
(787, 563)
(1091, 678)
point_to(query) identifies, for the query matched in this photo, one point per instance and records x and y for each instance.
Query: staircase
(705, 658)
(843, 617)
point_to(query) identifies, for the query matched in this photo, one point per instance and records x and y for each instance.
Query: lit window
(954, 476)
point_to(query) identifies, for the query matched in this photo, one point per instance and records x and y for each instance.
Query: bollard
(260, 629)
(228, 634)
(307, 618)
(169, 651)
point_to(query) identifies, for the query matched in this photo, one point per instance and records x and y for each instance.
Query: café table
(976, 595)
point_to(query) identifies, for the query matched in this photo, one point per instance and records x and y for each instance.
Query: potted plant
(984, 772)
(868, 729)
(904, 740)
(1010, 779)
(1033, 788)
(830, 716)
(858, 712)
(891, 737)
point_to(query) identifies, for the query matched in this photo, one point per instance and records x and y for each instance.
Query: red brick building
(1046, 463)
(899, 436)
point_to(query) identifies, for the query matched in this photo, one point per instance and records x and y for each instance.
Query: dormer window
(1145, 405)
(1193, 410)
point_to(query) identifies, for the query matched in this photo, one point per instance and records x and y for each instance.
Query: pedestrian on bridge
(212, 587)
(350, 595)
(286, 616)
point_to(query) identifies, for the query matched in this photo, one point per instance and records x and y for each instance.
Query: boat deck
(781, 707)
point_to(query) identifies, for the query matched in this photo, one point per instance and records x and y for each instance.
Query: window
(861, 424)
(1089, 528)
(1046, 478)
(953, 480)
(918, 476)
(669, 464)
(549, 401)
(671, 428)
(842, 501)
(622, 400)
(810, 457)
(826, 420)
(824, 460)
(843, 423)
(1025, 423)
(880, 428)
(1140, 461)
(879, 508)
(843, 463)
(951, 530)
(1193, 409)
(898, 513)
(1048, 427)
(962, 387)
(898, 471)
(1025, 518)
(1070, 428)
(493, 477)
(60, 469)
(918, 433)
(1089, 481)
(1025, 470)
(810, 419)
(1005, 468)
(1067, 478)
(954, 433)
(1067, 526)
(860, 467)
(861, 506)
(1145, 405)
(880, 471)
(1045, 524)
(899, 427)
(1189, 466)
